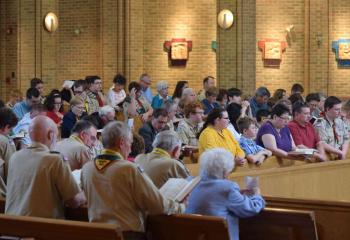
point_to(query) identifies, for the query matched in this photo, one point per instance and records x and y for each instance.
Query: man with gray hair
(117, 190)
(100, 119)
(162, 164)
(77, 149)
(163, 90)
(259, 101)
(39, 183)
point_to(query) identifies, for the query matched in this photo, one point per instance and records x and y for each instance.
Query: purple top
(283, 138)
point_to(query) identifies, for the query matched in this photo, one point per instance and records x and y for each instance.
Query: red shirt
(54, 117)
(303, 135)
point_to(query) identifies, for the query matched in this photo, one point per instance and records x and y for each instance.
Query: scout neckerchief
(335, 134)
(106, 157)
(76, 138)
(161, 152)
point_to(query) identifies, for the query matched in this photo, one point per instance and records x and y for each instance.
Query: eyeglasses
(285, 118)
(57, 103)
(201, 112)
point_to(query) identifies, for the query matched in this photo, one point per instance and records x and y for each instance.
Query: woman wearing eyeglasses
(274, 135)
(215, 134)
(77, 109)
(53, 105)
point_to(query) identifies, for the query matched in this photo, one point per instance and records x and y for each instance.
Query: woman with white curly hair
(163, 95)
(217, 196)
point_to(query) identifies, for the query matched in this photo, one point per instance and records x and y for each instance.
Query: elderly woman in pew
(215, 134)
(217, 196)
(275, 136)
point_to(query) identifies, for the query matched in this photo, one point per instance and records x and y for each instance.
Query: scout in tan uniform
(118, 191)
(332, 130)
(93, 99)
(39, 182)
(77, 148)
(190, 126)
(161, 163)
(8, 120)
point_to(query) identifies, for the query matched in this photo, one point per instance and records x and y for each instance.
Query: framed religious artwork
(341, 48)
(178, 51)
(272, 50)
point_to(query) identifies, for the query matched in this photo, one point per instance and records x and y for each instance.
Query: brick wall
(128, 37)
(167, 19)
(272, 18)
(339, 27)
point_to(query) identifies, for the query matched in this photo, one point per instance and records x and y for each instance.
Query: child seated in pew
(254, 153)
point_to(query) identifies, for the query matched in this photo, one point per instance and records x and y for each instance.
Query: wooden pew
(279, 223)
(271, 223)
(332, 218)
(328, 181)
(53, 229)
(187, 227)
(269, 163)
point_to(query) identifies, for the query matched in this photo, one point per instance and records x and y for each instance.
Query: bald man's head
(43, 130)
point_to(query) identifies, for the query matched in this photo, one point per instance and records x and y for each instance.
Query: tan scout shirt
(121, 194)
(91, 103)
(7, 148)
(159, 166)
(74, 151)
(38, 183)
(188, 132)
(326, 133)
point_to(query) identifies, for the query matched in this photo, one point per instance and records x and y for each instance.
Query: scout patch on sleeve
(101, 164)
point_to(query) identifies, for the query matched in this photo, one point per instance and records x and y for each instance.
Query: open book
(178, 188)
(303, 151)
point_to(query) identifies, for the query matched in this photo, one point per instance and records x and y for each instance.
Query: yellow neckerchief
(161, 152)
(101, 162)
(111, 152)
(76, 138)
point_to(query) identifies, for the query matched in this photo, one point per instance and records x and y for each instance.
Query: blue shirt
(249, 146)
(255, 107)
(23, 126)
(20, 109)
(158, 101)
(222, 198)
(147, 94)
(208, 107)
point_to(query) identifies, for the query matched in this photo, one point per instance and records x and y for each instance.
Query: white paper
(68, 83)
(76, 174)
(251, 182)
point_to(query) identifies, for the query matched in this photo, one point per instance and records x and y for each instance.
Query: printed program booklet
(178, 188)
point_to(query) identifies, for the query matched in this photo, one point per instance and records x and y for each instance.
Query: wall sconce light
(225, 19)
(319, 39)
(50, 22)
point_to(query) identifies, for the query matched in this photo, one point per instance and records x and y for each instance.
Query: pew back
(332, 218)
(326, 181)
(276, 224)
(270, 163)
(53, 229)
(187, 226)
